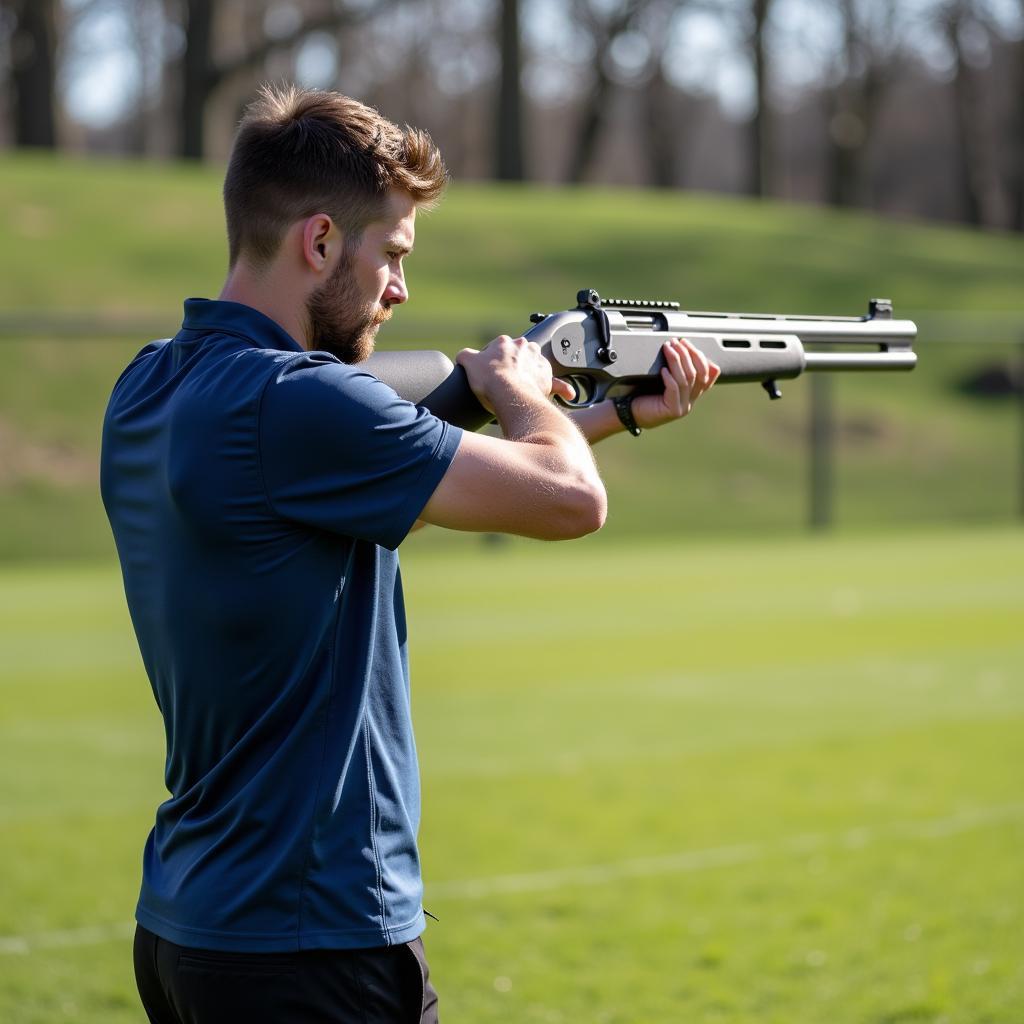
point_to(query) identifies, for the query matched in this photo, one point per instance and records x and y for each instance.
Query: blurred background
(752, 753)
(761, 155)
(912, 107)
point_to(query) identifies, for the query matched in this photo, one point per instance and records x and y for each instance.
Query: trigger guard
(563, 404)
(588, 393)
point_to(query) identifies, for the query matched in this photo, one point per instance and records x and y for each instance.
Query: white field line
(721, 856)
(587, 876)
(91, 935)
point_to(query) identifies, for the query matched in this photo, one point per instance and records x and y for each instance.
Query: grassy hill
(120, 243)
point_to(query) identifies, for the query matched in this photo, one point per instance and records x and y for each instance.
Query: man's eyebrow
(397, 245)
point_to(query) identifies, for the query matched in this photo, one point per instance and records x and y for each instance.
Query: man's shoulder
(144, 355)
(321, 367)
(310, 381)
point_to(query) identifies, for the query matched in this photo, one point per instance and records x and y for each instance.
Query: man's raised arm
(539, 479)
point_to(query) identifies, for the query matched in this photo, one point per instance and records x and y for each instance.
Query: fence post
(820, 481)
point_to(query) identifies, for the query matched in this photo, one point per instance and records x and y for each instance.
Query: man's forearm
(597, 422)
(537, 421)
(555, 443)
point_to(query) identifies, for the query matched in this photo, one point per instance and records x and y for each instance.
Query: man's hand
(687, 374)
(509, 369)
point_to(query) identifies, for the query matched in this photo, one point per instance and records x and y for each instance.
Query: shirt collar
(216, 315)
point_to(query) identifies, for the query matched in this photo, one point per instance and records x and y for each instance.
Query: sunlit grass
(732, 782)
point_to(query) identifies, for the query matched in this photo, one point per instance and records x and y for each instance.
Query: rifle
(613, 346)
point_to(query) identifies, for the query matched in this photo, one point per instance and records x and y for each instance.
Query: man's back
(250, 486)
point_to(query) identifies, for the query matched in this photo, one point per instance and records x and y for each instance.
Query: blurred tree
(203, 71)
(1015, 157)
(663, 115)
(198, 77)
(31, 30)
(870, 57)
(659, 102)
(604, 23)
(761, 138)
(751, 21)
(508, 163)
(964, 26)
(145, 24)
(909, 88)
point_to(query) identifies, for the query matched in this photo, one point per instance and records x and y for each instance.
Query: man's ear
(320, 240)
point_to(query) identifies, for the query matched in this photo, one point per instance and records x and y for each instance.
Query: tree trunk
(844, 124)
(851, 127)
(590, 125)
(603, 89)
(197, 78)
(1017, 149)
(509, 127)
(201, 76)
(33, 68)
(661, 135)
(760, 125)
(965, 111)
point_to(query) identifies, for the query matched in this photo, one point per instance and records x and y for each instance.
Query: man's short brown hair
(302, 151)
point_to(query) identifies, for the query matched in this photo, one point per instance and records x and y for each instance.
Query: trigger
(583, 392)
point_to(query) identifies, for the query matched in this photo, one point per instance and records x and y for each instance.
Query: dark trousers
(385, 985)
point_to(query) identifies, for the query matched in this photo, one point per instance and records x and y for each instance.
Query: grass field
(687, 778)
(727, 782)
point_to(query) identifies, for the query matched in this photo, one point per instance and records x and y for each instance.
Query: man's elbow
(583, 510)
(597, 509)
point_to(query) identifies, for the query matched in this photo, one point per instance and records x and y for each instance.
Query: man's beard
(340, 322)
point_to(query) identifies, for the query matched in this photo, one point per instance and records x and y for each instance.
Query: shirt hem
(280, 942)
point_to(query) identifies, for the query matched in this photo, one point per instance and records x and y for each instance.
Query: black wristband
(624, 410)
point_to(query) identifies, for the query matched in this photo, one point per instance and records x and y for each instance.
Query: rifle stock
(611, 347)
(432, 380)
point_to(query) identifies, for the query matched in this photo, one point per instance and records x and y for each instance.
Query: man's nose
(396, 291)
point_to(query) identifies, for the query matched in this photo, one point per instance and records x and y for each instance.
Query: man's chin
(364, 352)
(352, 347)
(366, 344)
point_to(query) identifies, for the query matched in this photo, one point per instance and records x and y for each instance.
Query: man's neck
(270, 297)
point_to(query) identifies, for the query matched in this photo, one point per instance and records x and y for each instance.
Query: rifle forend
(610, 347)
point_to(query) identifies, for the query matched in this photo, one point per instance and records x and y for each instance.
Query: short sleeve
(341, 451)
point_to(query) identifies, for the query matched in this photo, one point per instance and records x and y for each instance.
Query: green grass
(81, 239)
(685, 778)
(729, 782)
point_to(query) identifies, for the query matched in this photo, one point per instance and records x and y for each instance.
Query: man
(258, 484)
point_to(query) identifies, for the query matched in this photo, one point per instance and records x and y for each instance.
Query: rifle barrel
(866, 330)
(902, 359)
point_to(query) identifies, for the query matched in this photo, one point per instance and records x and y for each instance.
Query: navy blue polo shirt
(257, 494)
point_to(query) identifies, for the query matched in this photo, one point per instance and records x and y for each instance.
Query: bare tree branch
(333, 21)
(604, 29)
(202, 75)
